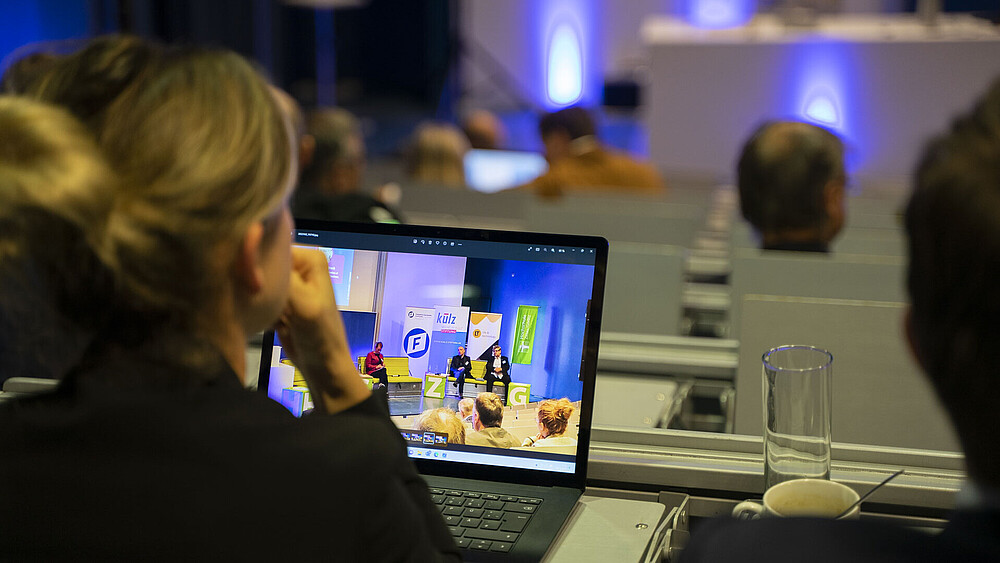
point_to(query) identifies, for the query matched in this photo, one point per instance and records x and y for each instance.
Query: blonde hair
(554, 415)
(465, 406)
(55, 196)
(444, 421)
(437, 153)
(87, 80)
(50, 166)
(203, 150)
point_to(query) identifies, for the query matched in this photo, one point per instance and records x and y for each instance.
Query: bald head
(791, 178)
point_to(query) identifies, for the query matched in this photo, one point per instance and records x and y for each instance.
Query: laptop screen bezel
(577, 479)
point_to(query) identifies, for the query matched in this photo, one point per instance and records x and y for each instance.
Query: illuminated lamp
(565, 66)
(821, 109)
(719, 14)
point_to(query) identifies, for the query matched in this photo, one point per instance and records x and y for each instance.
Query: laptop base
(545, 523)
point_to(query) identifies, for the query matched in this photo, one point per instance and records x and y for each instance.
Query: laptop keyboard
(484, 521)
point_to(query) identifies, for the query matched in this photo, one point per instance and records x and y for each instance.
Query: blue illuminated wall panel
(360, 329)
(560, 291)
(41, 20)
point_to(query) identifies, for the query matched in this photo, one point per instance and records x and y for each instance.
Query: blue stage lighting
(820, 79)
(565, 66)
(719, 14)
(822, 109)
(822, 85)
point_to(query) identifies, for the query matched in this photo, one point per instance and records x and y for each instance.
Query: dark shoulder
(353, 207)
(815, 540)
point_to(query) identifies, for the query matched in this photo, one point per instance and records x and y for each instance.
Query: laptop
(423, 291)
(489, 170)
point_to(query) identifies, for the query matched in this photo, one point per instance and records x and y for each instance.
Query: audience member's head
(489, 411)
(436, 155)
(553, 416)
(791, 183)
(55, 197)
(559, 129)
(484, 130)
(49, 166)
(338, 160)
(24, 71)
(293, 112)
(201, 223)
(953, 225)
(87, 81)
(465, 407)
(443, 421)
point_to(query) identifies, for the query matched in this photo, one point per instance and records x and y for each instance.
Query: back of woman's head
(55, 196)
(23, 72)
(436, 155)
(554, 415)
(444, 421)
(49, 165)
(203, 151)
(88, 80)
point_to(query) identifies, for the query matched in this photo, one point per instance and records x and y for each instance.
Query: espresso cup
(803, 497)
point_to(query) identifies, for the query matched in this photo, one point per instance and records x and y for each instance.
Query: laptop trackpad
(607, 529)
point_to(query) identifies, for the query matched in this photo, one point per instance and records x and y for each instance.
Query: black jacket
(969, 536)
(461, 362)
(139, 455)
(353, 207)
(504, 365)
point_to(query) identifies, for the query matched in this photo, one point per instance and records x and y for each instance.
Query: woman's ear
(249, 270)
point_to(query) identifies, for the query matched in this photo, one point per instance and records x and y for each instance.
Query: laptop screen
(491, 171)
(526, 305)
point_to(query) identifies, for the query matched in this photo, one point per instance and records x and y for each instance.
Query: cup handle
(747, 510)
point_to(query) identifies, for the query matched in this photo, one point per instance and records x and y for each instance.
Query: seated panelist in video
(375, 366)
(460, 366)
(498, 369)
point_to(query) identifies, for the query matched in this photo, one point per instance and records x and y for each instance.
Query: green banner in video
(524, 334)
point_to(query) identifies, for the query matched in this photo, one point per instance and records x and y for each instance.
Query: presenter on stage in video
(498, 369)
(460, 366)
(375, 366)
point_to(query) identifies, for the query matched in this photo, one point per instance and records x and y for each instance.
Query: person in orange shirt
(579, 162)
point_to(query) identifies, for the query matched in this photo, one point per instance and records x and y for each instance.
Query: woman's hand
(312, 332)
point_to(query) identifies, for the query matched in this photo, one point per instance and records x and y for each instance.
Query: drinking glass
(797, 405)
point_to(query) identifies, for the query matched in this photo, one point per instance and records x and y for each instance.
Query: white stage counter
(884, 83)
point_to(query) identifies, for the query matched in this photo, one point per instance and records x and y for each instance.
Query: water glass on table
(797, 403)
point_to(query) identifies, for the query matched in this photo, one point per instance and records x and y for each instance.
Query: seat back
(880, 396)
(814, 275)
(643, 290)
